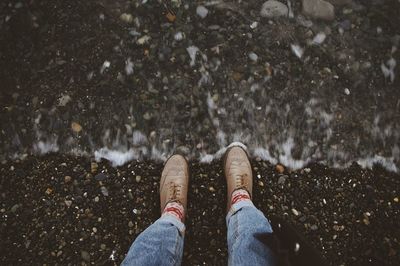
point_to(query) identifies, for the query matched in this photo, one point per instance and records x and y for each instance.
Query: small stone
(279, 168)
(104, 191)
(318, 9)
(253, 56)
(67, 179)
(143, 40)
(96, 199)
(307, 170)
(260, 183)
(85, 255)
(101, 177)
(366, 221)
(138, 178)
(103, 246)
(127, 18)
(178, 36)
(314, 227)
(273, 9)
(49, 191)
(295, 212)
(93, 167)
(171, 17)
(282, 179)
(396, 199)
(201, 11)
(14, 208)
(130, 224)
(68, 203)
(211, 189)
(76, 127)
(346, 91)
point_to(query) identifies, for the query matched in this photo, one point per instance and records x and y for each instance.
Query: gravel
(351, 216)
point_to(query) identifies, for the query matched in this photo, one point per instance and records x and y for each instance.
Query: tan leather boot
(174, 181)
(238, 172)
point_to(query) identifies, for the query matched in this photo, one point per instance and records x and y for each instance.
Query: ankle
(176, 209)
(240, 195)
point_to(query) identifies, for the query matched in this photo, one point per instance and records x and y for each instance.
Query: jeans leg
(160, 244)
(248, 235)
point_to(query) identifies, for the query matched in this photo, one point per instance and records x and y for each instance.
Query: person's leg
(162, 242)
(249, 235)
(249, 232)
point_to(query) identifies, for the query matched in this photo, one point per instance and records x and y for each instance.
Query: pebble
(260, 183)
(346, 91)
(68, 203)
(396, 199)
(67, 179)
(201, 11)
(273, 9)
(96, 199)
(282, 179)
(85, 255)
(211, 189)
(14, 208)
(279, 168)
(253, 56)
(104, 191)
(76, 127)
(138, 178)
(178, 36)
(127, 18)
(130, 224)
(143, 40)
(295, 212)
(314, 227)
(93, 167)
(103, 246)
(319, 9)
(101, 177)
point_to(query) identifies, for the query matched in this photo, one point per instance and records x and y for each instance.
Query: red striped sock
(176, 209)
(240, 195)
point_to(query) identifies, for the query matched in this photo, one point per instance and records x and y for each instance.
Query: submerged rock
(272, 9)
(318, 9)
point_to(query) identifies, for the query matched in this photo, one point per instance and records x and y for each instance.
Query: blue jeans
(248, 233)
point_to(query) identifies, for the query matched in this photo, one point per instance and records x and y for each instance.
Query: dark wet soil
(54, 210)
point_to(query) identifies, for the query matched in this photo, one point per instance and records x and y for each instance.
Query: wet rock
(127, 18)
(101, 177)
(201, 11)
(67, 179)
(104, 191)
(68, 203)
(279, 168)
(319, 9)
(295, 212)
(93, 167)
(76, 127)
(273, 9)
(314, 227)
(282, 179)
(253, 56)
(14, 208)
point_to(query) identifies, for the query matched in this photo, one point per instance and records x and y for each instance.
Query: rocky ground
(308, 84)
(68, 210)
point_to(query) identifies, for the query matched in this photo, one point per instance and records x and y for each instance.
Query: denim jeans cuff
(173, 220)
(237, 207)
